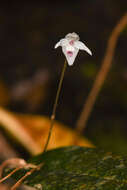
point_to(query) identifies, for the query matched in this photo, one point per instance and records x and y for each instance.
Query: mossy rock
(77, 168)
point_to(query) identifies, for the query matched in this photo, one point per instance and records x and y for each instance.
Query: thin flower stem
(55, 105)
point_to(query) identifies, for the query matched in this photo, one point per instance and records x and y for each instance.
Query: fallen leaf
(32, 131)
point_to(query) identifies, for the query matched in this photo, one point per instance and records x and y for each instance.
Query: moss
(78, 168)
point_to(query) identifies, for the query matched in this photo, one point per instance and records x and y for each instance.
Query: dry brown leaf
(32, 131)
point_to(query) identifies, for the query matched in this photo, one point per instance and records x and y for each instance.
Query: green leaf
(78, 168)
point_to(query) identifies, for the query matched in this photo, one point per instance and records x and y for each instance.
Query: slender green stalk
(55, 105)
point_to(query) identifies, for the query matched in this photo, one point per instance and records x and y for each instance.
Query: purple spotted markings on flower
(71, 42)
(70, 53)
(71, 46)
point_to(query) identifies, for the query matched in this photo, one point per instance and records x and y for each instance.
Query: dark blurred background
(30, 67)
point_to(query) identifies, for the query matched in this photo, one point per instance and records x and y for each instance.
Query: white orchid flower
(71, 46)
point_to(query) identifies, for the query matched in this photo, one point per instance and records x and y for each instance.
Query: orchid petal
(72, 36)
(58, 44)
(80, 45)
(64, 42)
